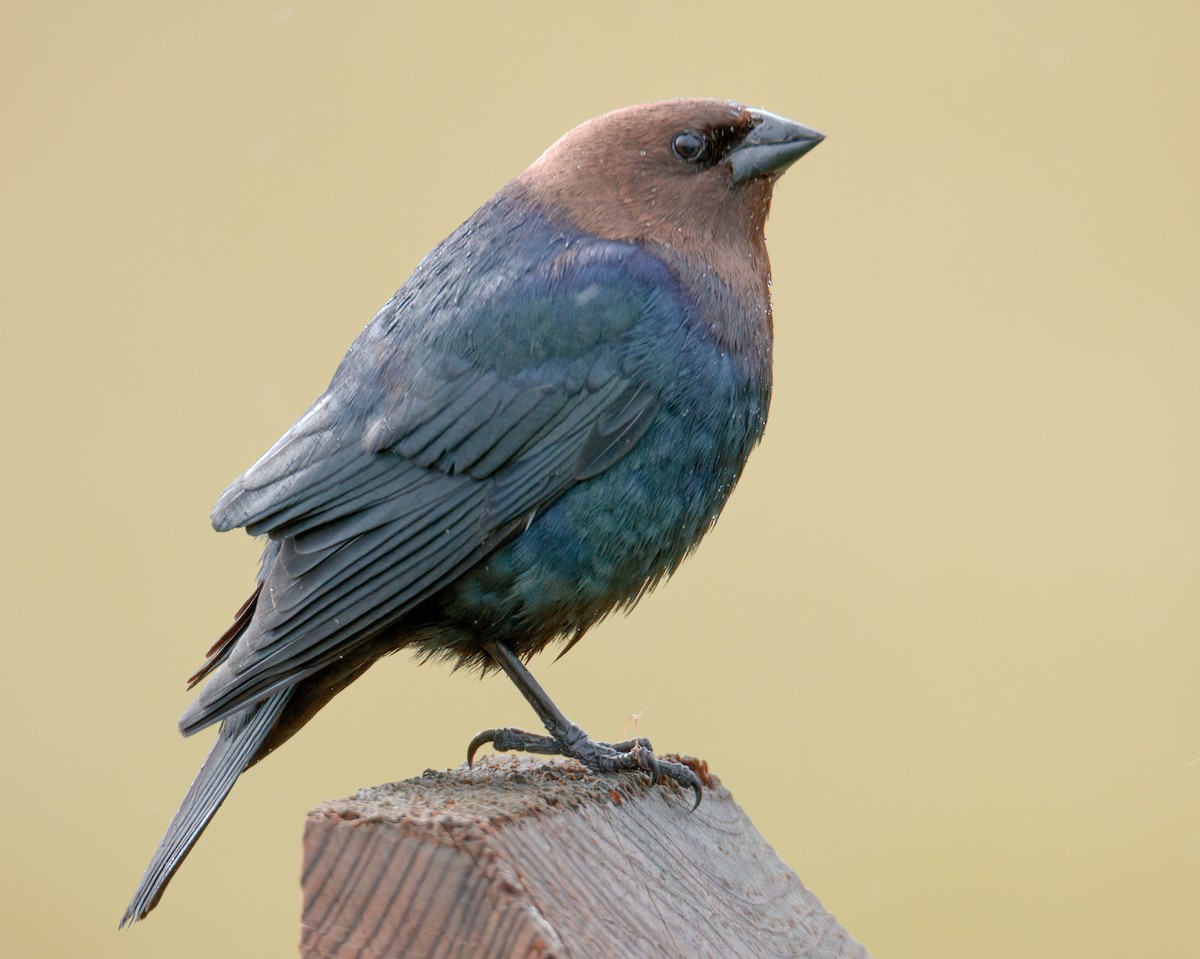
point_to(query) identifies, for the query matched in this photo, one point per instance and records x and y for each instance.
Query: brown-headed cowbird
(537, 428)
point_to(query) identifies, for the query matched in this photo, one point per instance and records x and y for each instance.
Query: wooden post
(522, 857)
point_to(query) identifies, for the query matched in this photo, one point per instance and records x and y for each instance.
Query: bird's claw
(602, 757)
(486, 736)
(508, 738)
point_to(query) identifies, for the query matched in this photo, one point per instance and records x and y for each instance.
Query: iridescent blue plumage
(539, 426)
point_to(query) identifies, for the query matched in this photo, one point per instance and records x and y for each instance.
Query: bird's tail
(236, 747)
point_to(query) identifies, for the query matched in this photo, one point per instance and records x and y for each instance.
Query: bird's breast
(611, 538)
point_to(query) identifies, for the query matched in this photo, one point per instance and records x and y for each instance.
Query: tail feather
(241, 736)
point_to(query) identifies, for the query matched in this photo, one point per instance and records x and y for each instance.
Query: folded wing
(373, 506)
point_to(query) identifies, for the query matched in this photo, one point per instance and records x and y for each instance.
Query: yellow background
(943, 645)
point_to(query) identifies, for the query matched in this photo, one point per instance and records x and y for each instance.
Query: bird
(534, 431)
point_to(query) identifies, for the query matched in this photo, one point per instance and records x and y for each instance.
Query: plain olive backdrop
(943, 643)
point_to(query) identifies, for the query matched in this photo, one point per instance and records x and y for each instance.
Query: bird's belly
(609, 539)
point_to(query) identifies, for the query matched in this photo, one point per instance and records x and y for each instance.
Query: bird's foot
(601, 757)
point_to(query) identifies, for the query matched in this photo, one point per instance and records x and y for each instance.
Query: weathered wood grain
(522, 857)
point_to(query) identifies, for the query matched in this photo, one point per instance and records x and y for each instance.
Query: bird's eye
(688, 146)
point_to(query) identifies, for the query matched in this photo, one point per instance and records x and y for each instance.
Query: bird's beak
(771, 147)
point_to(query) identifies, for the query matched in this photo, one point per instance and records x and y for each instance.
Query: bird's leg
(567, 739)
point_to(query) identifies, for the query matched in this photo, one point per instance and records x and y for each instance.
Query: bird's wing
(373, 505)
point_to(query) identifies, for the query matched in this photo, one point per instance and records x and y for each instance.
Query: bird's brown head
(681, 173)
